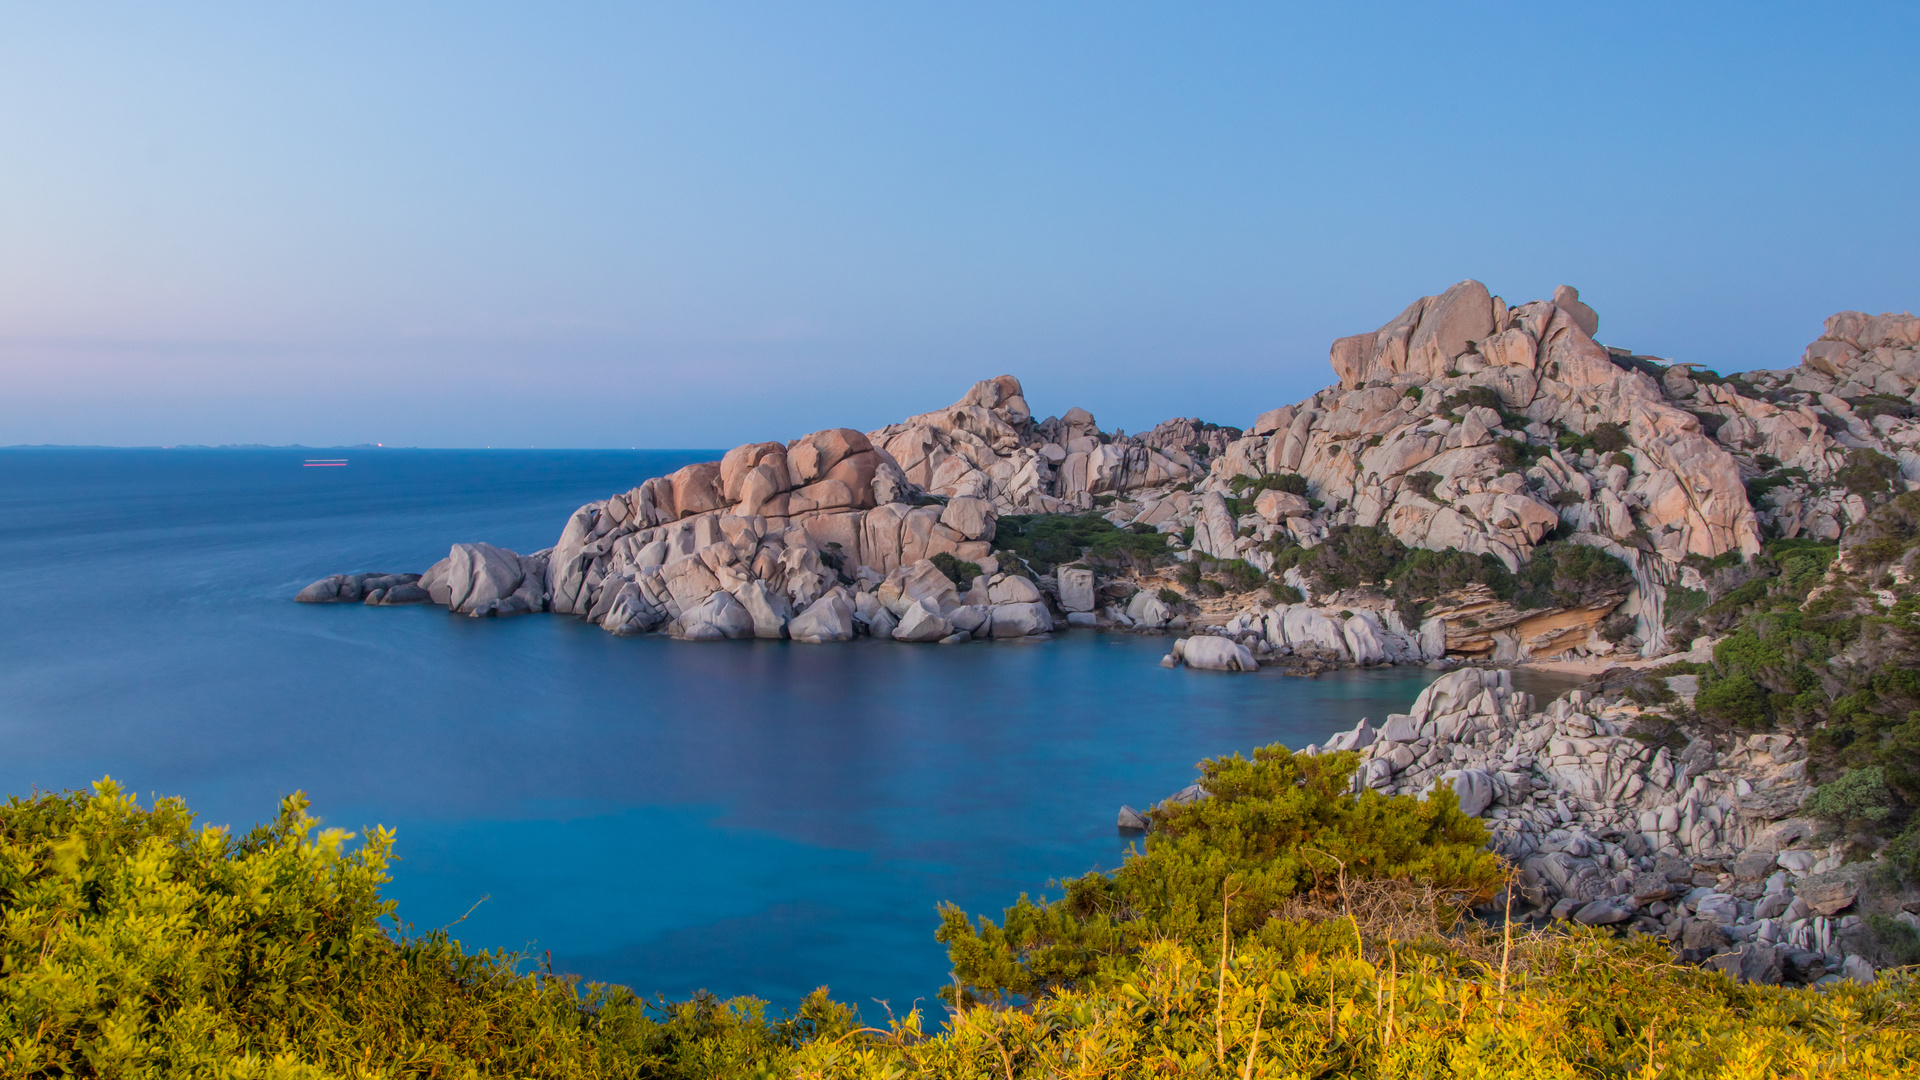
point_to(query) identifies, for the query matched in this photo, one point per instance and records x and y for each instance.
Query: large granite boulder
(1208, 653)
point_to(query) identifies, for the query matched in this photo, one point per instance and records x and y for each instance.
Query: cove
(744, 817)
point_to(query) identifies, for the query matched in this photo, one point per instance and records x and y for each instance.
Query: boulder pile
(1700, 845)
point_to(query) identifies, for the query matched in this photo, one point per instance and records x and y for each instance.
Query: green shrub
(1424, 575)
(1760, 486)
(1858, 796)
(1274, 826)
(1047, 540)
(1239, 575)
(1171, 598)
(1512, 453)
(1284, 593)
(1868, 473)
(1565, 574)
(1608, 438)
(1871, 405)
(1351, 555)
(1904, 851)
(1734, 699)
(1424, 483)
(140, 945)
(1890, 943)
(1483, 397)
(1605, 438)
(960, 573)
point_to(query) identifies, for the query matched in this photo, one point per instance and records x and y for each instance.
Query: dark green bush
(1858, 797)
(1047, 540)
(1565, 574)
(1868, 473)
(1472, 397)
(1424, 483)
(1734, 699)
(1424, 575)
(960, 573)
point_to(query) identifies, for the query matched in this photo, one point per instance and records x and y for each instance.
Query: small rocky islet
(1486, 484)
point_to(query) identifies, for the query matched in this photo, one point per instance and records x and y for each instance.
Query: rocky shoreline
(1487, 485)
(1464, 425)
(1705, 847)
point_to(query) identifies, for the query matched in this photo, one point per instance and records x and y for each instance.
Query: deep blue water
(747, 817)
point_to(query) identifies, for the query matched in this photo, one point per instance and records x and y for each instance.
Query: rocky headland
(1487, 483)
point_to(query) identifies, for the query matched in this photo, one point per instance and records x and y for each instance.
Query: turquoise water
(745, 817)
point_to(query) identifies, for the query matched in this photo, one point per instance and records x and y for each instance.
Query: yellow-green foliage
(136, 945)
(1603, 1008)
(1276, 825)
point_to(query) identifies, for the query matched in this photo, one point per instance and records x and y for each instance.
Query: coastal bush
(1605, 438)
(1249, 486)
(1047, 540)
(958, 572)
(1859, 796)
(1565, 574)
(1284, 927)
(1868, 473)
(1423, 483)
(137, 944)
(1275, 825)
(1484, 397)
(1560, 574)
(1246, 491)
(1424, 574)
(1350, 555)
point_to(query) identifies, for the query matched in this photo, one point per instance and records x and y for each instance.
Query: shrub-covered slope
(1283, 928)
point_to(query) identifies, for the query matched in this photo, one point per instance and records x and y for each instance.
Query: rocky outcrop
(820, 539)
(1699, 845)
(365, 589)
(1463, 423)
(1471, 424)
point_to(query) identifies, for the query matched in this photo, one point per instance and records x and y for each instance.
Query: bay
(743, 817)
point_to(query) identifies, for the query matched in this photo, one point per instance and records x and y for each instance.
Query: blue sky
(615, 225)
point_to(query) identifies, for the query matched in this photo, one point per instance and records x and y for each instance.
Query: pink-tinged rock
(972, 518)
(1567, 299)
(742, 459)
(1451, 320)
(1277, 506)
(696, 488)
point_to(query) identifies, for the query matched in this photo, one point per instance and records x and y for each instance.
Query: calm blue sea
(746, 817)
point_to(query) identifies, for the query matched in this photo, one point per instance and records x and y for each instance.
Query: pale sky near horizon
(597, 225)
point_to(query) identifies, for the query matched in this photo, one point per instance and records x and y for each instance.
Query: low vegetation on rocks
(1820, 639)
(1047, 540)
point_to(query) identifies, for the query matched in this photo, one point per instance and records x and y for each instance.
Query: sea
(747, 818)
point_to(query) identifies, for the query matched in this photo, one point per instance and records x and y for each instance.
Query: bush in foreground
(138, 945)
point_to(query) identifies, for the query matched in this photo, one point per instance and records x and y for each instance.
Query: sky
(609, 225)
